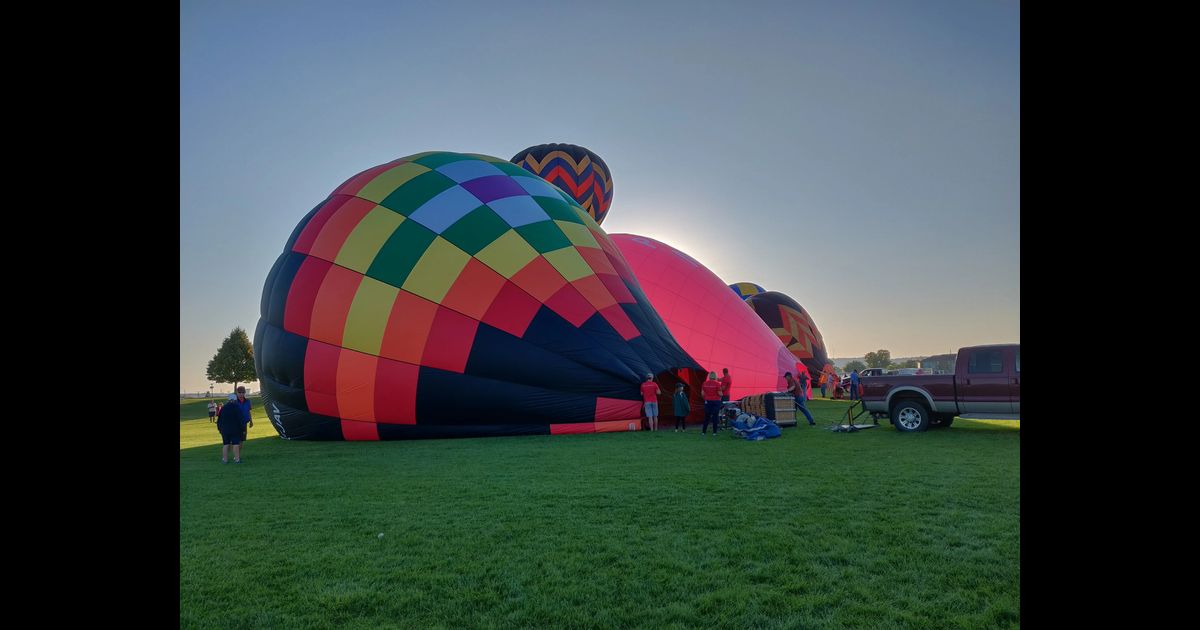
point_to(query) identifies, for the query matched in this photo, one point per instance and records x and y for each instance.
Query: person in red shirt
(650, 394)
(711, 391)
(726, 385)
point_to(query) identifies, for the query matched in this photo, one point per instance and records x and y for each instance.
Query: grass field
(875, 529)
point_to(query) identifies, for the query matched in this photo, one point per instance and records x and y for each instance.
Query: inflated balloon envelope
(448, 294)
(708, 320)
(794, 327)
(745, 289)
(574, 169)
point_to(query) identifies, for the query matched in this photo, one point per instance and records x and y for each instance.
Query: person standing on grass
(212, 411)
(682, 408)
(797, 392)
(650, 394)
(854, 385)
(711, 392)
(726, 385)
(232, 425)
(822, 382)
(243, 403)
(804, 381)
(832, 379)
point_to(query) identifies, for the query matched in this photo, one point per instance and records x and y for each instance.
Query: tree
(855, 365)
(911, 363)
(234, 361)
(879, 358)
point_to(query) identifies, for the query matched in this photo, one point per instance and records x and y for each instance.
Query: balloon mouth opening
(692, 380)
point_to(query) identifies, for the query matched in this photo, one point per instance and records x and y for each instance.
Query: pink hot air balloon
(710, 322)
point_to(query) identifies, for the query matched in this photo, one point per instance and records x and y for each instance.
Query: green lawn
(875, 529)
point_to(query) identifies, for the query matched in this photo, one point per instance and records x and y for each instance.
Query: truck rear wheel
(910, 416)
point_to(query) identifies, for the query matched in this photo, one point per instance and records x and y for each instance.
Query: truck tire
(943, 421)
(910, 416)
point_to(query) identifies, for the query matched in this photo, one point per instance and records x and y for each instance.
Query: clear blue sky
(862, 157)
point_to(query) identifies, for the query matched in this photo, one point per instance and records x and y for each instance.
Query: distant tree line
(855, 365)
(881, 358)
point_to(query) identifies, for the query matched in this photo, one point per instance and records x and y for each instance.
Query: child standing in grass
(682, 407)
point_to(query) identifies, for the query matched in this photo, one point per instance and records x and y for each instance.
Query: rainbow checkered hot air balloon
(745, 289)
(449, 294)
(576, 170)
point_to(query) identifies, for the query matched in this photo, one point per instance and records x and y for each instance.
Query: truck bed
(875, 389)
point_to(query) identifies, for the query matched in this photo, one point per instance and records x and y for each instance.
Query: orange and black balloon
(793, 326)
(576, 170)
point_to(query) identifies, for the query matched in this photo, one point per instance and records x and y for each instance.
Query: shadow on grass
(197, 436)
(197, 408)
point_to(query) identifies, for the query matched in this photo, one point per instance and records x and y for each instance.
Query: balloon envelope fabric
(576, 170)
(449, 294)
(793, 326)
(745, 289)
(711, 323)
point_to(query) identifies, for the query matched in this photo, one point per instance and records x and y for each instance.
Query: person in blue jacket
(232, 425)
(242, 401)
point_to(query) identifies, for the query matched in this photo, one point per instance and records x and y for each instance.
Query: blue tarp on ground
(755, 428)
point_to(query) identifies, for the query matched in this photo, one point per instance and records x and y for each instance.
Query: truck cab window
(986, 362)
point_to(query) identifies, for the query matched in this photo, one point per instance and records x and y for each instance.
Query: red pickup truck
(986, 384)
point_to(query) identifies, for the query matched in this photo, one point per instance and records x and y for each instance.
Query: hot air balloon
(576, 170)
(708, 320)
(449, 294)
(793, 326)
(746, 289)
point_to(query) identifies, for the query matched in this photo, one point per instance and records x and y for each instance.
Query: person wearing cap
(243, 401)
(797, 391)
(232, 424)
(711, 392)
(650, 394)
(682, 408)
